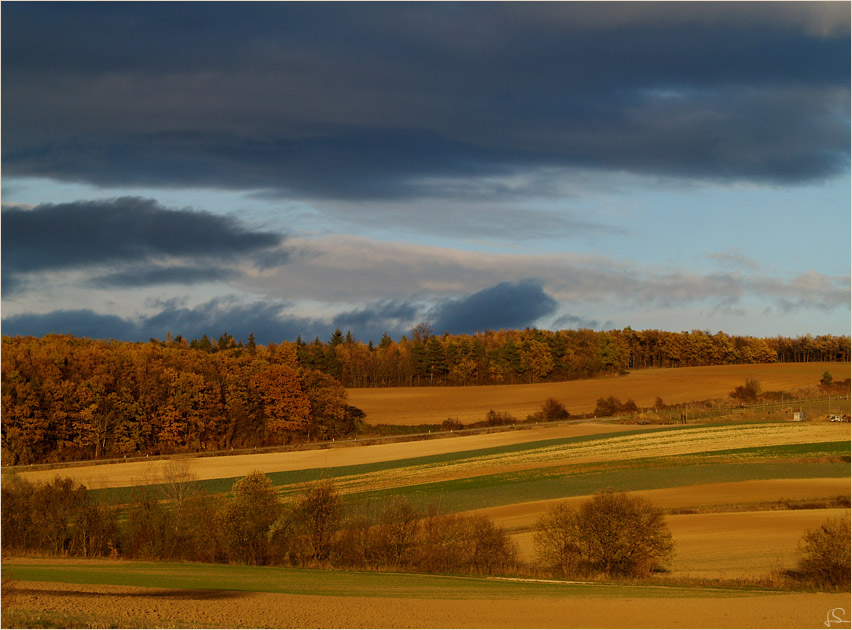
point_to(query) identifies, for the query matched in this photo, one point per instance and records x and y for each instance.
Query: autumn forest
(66, 398)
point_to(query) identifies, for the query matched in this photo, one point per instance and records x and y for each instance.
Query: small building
(799, 416)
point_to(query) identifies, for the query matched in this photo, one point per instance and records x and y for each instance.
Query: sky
(287, 169)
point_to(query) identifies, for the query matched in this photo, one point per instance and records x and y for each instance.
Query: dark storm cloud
(512, 305)
(574, 321)
(80, 323)
(269, 323)
(394, 318)
(386, 100)
(129, 232)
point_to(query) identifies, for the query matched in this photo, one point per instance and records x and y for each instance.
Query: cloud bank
(142, 243)
(402, 101)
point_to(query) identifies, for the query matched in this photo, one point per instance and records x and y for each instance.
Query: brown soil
(422, 405)
(231, 609)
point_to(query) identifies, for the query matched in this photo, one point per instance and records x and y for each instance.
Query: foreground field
(160, 595)
(421, 405)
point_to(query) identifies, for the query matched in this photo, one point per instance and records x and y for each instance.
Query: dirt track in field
(134, 473)
(422, 405)
(230, 609)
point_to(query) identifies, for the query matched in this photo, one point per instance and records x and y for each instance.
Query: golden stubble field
(422, 405)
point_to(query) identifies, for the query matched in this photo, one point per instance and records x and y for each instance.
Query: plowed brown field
(422, 405)
(274, 610)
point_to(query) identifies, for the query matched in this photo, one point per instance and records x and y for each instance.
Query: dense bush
(827, 554)
(612, 406)
(614, 534)
(552, 409)
(56, 518)
(748, 392)
(451, 424)
(498, 418)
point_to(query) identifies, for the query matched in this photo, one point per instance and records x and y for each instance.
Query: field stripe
(185, 576)
(473, 493)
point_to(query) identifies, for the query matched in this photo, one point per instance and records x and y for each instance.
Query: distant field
(344, 453)
(422, 405)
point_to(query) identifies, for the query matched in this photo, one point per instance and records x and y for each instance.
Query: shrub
(826, 548)
(613, 534)
(396, 532)
(56, 517)
(451, 424)
(316, 518)
(246, 519)
(554, 410)
(457, 543)
(748, 392)
(499, 418)
(611, 406)
(555, 539)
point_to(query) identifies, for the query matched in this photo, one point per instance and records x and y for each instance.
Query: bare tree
(396, 531)
(178, 482)
(317, 514)
(555, 539)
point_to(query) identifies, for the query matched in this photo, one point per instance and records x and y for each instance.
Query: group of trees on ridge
(66, 398)
(530, 355)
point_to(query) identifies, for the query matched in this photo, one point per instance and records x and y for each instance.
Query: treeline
(66, 398)
(177, 521)
(612, 535)
(532, 355)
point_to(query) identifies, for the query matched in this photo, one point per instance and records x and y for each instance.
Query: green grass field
(553, 483)
(206, 577)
